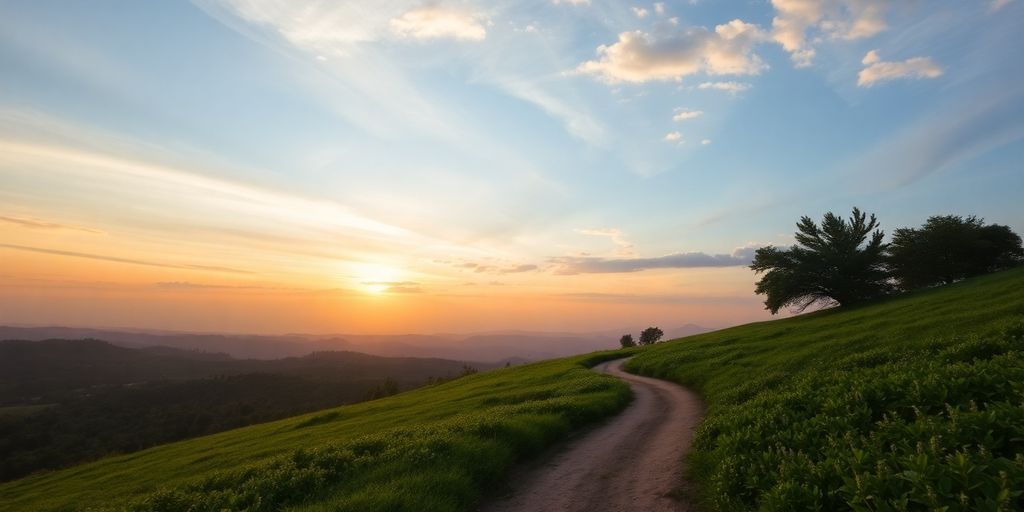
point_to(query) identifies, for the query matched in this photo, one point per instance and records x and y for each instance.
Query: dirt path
(632, 463)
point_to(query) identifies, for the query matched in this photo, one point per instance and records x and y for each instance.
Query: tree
(839, 263)
(627, 341)
(650, 336)
(948, 248)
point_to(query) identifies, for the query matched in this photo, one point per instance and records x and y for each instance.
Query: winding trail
(634, 462)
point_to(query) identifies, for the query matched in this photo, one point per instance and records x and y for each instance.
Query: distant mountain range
(496, 346)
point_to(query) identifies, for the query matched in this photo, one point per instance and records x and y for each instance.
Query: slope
(916, 402)
(430, 449)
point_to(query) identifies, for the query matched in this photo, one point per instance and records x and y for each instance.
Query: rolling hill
(911, 403)
(914, 402)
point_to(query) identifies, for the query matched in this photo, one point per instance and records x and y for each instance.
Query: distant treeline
(71, 401)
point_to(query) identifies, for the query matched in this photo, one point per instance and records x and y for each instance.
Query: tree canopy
(838, 263)
(948, 248)
(627, 341)
(650, 335)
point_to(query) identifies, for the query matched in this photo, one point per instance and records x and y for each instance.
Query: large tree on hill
(627, 341)
(840, 262)
(948, 248)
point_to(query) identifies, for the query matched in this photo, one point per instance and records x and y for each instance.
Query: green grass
(913, 403)
(23, 410)
(433, 449)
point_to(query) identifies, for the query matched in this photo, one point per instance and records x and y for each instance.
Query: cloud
(436, 22)
(640, 12)
(577, 120)
(493, 268)
(674, 137)
(642, 57)
(684, 114)
(950, 137)
(826, 19)
(33, 223)
(188, 285)
(572, 265)
(730, 87)
(615, 235)
(571, 2)
(114, 259)
(878, 70)
(705, 142)
(396, 286)
(659, 7)
(499, 270)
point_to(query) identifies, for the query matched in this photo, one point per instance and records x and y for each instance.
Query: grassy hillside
(915, 403)
(434, 448)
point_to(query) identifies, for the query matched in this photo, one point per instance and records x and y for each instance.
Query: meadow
(915, 402)
(436, 448)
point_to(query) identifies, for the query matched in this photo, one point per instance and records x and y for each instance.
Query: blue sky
(533, 139)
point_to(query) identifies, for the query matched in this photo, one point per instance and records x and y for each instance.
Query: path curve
(632, 463)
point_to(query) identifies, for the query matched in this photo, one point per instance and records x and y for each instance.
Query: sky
(460, 165)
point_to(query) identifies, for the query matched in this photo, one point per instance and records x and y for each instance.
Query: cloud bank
(572, 265)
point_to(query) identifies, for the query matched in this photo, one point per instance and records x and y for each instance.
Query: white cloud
(683, 114)
(730, 87)
(825, 19)
(640, 12)
(659, 7)
(435, 22)
(571, 2)
(870, 58)
(705, 142)
(641, 57)
(878, 70)
(674, 137)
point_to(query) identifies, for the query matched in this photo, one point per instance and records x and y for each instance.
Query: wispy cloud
(395, 286)
(946, 138)
(625, 247)
(571, 265)
(33, 223)
(115, 259)
(730, 87)
(491, 267)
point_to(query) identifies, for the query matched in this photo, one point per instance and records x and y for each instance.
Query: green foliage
(949, 248)
(650, 335)
(834, 264)
(913, 403)
(627, 341)
(103, 400)
(432, 449)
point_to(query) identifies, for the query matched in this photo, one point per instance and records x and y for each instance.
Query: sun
(375, 288)
(376, 279)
